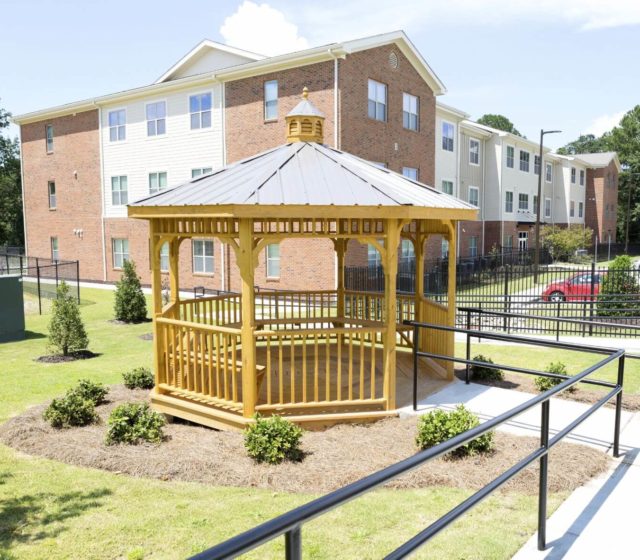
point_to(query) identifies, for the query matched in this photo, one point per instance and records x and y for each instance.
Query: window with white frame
(572, 209)
(444, 248)
(510, 156)
(448, 133)
(407, 253)
(49, 135)
(573, 175)
(523, 202)
(508, 202)
(447, 187)
(271, 100)
(523, 240)
(377, 106)
(474, 196)
(524, 161)
(473, 246)
(120, 251)
(535, 203)
(51, 186)
(410, 172)
(582, 177)
(157, 181)
(410, 106)
(164, 257)
(536, 165)
(55, 253)
(273, 260)
(474, 151)
(548, 176)
(373, 256)
(200, 171)
(547, 207)
(507, 243)
(200, 110)
(156, 118)
(580, 209)
(117, 125)
(380, 164)
(202, 250)
(119, 195)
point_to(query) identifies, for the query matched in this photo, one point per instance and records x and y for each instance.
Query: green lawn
(49, 510)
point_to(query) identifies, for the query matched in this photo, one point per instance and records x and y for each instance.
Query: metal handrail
(289, 524)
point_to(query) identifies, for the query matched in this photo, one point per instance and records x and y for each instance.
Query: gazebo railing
(300, 304)
(223, 309)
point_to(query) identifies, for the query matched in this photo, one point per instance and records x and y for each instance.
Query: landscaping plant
(272, 440)
(130, 304)
(134, 423)
(563, 243)
(92, 391)
(439, 425)
(546, 383)
(71, 410)
(66, 329)
(139, 378)
(619, 291)
(485, 373)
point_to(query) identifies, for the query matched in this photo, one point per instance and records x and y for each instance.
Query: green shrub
(139, 378)
(619, 291)
(272, 440)
(546, 383)
(485, 373)
(91, 391)
(563, 242)
(130, 303)
(133, 423)
(66, 330)
(438, 426)
(71, 410)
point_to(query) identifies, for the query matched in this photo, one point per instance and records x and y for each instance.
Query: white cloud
(604, 123)
(261, 29)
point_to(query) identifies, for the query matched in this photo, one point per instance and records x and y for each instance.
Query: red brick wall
(466, 231)
(600, 192)
(76, 148)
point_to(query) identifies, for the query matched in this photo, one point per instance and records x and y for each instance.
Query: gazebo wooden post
(174, 274)
(340, 247)
(390, 263)
(246, 264)
(156, 290)
(418, 249)
(451, 295)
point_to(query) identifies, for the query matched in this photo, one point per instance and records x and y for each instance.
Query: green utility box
(11, 308)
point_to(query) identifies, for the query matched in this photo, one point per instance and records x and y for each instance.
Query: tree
(130, 304)
(11, 223)
(564, 242)
(586, 144)
(619, 281)
(500, 122)
(66, 329)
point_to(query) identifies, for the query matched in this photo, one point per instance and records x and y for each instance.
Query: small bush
(71, 410)
(139, 378)
(130, 304)
(91, 391)
(546, 383)
(133, 423)
(66, 329)
(485, 373)
(272, 440)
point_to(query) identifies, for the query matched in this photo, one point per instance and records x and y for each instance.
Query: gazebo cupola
(305, 123)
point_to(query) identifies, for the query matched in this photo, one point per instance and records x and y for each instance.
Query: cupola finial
(305, 123)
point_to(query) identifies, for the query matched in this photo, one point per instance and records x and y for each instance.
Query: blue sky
(569, 65)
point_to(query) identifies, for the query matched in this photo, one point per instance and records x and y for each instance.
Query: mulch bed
(333, 457)
(72, 357)
(119, 322)
(526, 384)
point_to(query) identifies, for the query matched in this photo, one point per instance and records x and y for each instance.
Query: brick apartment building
(83, 162)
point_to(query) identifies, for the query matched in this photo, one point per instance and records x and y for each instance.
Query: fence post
(78, 280)
(593, 282)
(542, 490)
(22, 266)
(56, 268)
(616, 432)
(468, 367)
(293, 544)
(39, 294)
(415, 367)
(558, 323)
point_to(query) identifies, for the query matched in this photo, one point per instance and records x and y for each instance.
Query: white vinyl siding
(448, 134)
(271, 100)
(410, 107)
(377, 105)
(51, 186)
(410, 172)
(202, 256)
(510, 156)
(447, 186)
(119, 190)
(474, 151)
(474, 196)
(508, 202)
(157, 181)
(524, 161)
(273, 260)
(572, 209)
(117, 125)
(200, 110)
(120, 250)
(156, 113)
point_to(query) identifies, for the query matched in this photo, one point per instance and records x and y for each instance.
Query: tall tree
(11, 224)
(500, 122)
(586, 144)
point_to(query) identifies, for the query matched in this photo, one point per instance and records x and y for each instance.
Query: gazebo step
(199, 398)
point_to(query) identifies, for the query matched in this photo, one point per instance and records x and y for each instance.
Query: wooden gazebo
(315, 356)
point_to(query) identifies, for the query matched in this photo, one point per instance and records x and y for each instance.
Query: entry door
(523, 240)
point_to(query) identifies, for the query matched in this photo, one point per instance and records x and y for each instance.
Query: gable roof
(601, 159)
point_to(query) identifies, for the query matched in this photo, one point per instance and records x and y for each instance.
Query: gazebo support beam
(390, 262)
(340, 246)
(451, 294)
(418, 250)
(174, 269)
(156, 290)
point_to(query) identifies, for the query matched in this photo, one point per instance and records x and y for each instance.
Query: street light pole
(536, 262)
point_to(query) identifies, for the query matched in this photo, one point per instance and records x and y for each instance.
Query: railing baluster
(544, 466)
(293, 544)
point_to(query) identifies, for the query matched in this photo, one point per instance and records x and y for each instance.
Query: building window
(409, 111)
(117, 125)
(523, 241)
(200, 171)
(473, 246)
(52, 195)
(447, 187)
(508, 201)
(524, 161)
(536, 165)
(119, 190)
(377, 107)
(164, 257)
(157, 181)
(507, 243)
(202, 256)
(407, 253)
(49, 131)
(580, 209)
(523, 202)
(120, 249)
(271, 100)
(200, 109)
(548, 173)
(535, 204)
(444, 248)
(572, 209)
(582, 177)
(448, 132)
(273, 260)
(510, 156)
(573, 175)
(410, 172)
(547, 207)
(474, 196)
(55, 253)
(474, 151)
(373, 256)
(156, 118)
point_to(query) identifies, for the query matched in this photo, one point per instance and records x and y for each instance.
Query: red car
(575, 288)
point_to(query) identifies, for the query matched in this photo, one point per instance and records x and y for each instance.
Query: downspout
(458, 163)
(223, 110)
(484, 190)
(102, 195)
(336, 145)
(24, 200)
(501, 199)
(553, 194)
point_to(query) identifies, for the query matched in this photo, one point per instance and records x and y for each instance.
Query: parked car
(574, 288)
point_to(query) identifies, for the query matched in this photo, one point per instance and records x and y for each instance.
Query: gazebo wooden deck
(316, 356)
